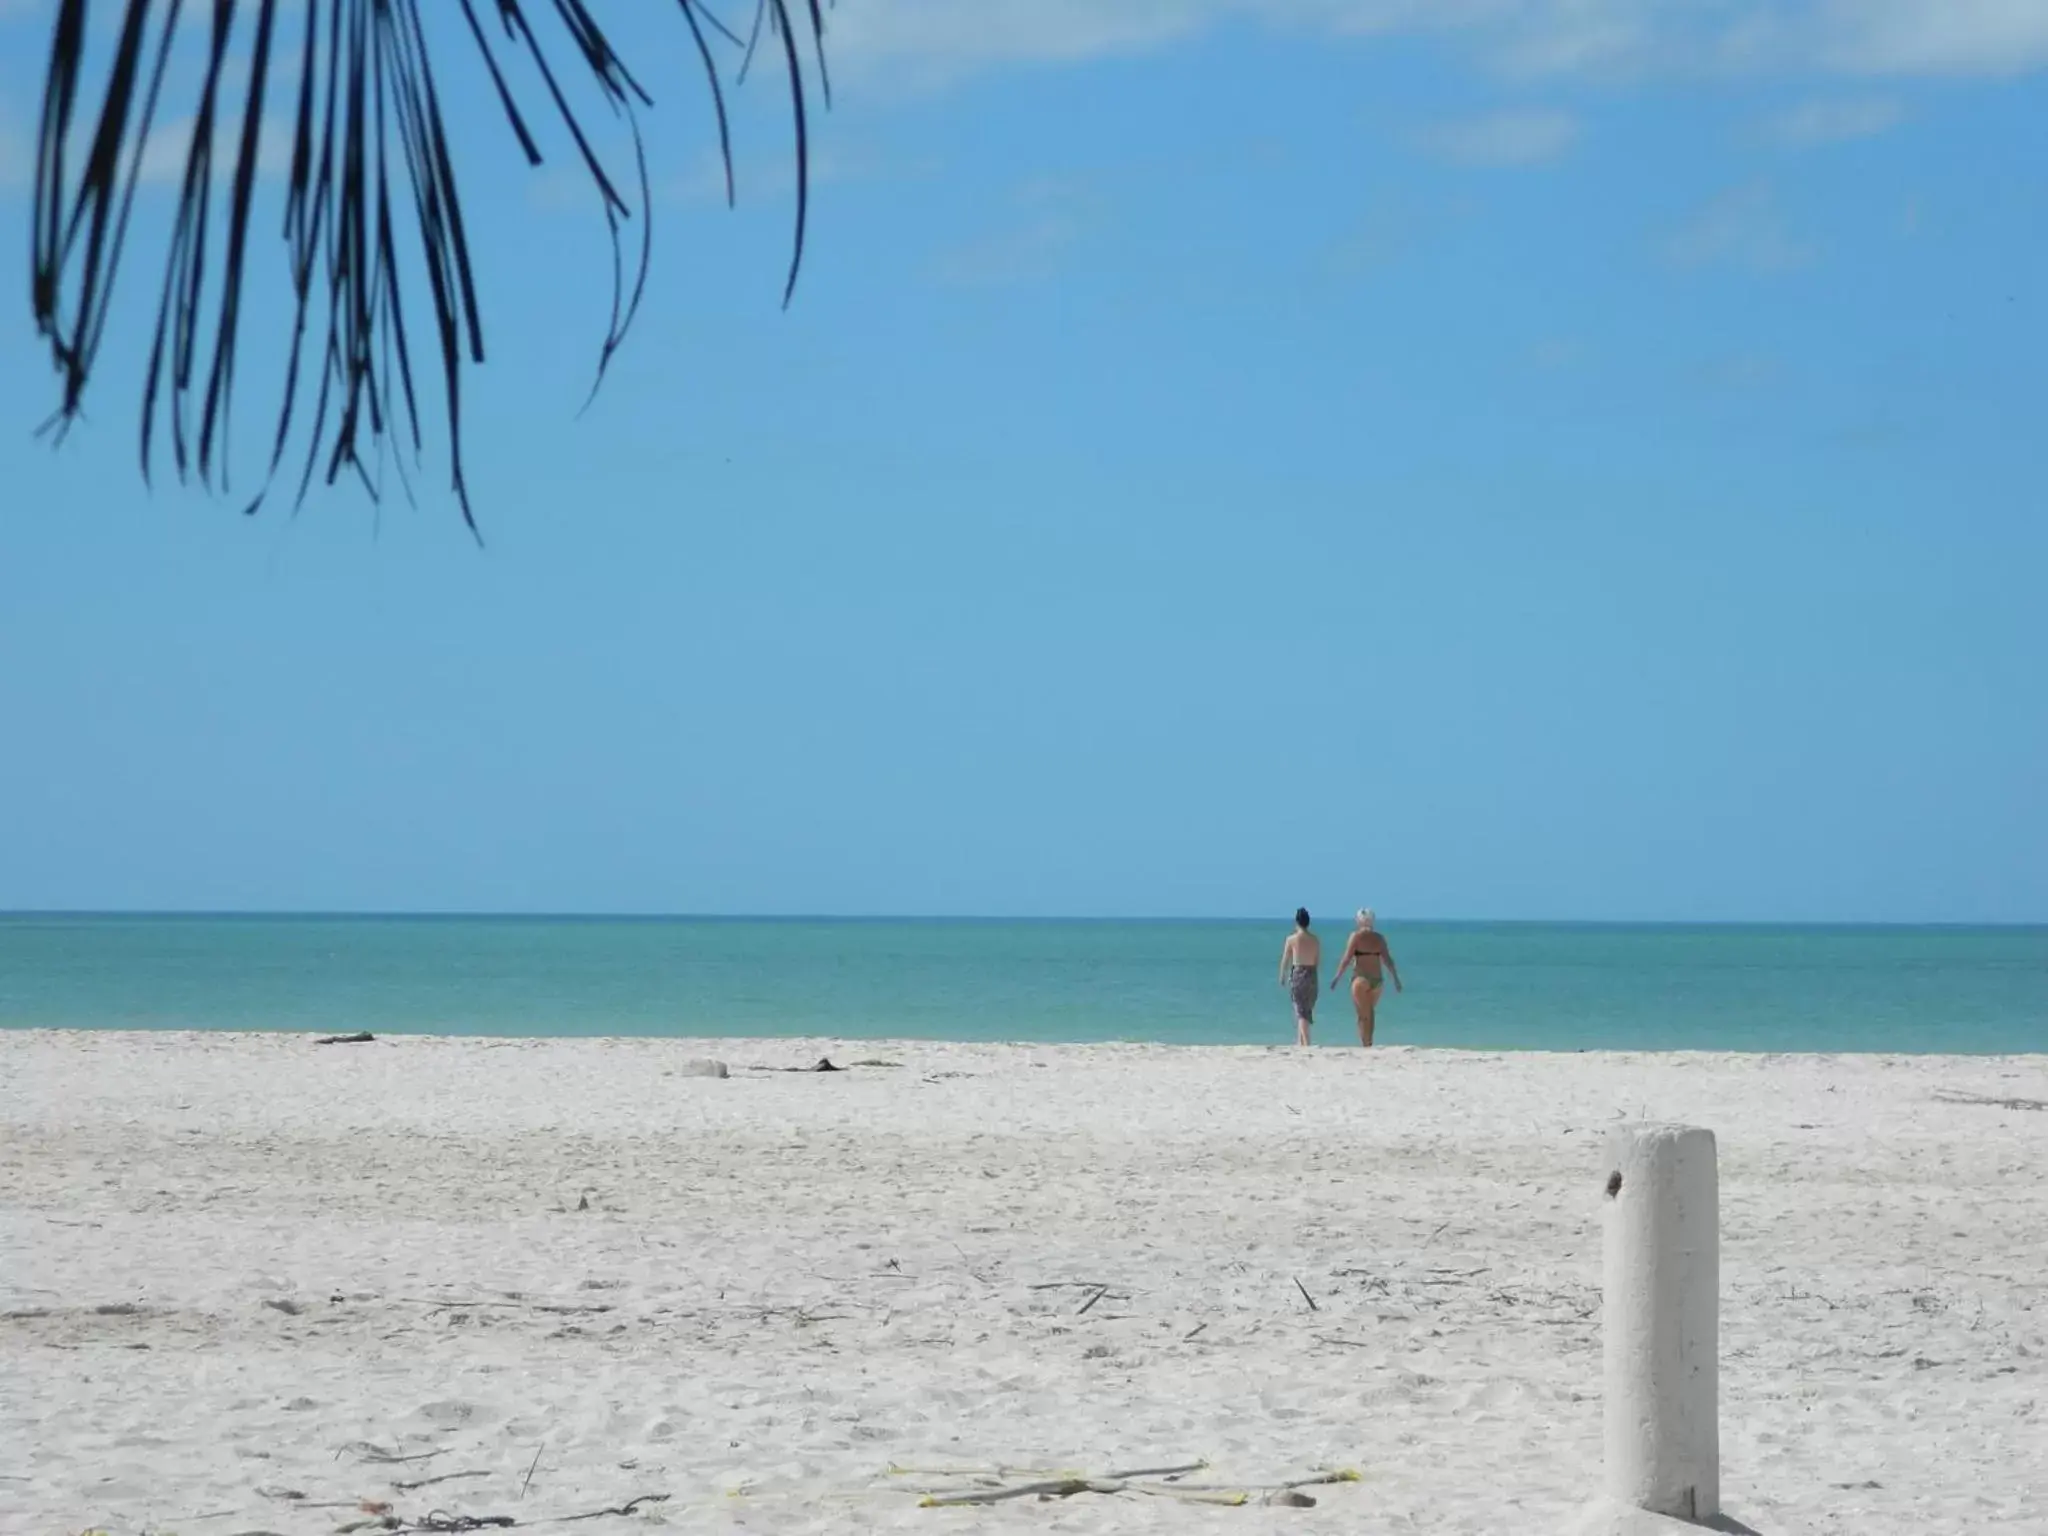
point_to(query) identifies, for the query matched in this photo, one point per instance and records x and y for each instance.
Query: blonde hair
(1365, 917)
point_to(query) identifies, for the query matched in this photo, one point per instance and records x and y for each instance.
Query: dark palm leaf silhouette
(369, 154)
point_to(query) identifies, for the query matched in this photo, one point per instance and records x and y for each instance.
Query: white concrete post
(1663, 1293)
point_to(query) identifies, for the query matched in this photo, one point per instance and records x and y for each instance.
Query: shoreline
(238, 1259)
(386, 1034)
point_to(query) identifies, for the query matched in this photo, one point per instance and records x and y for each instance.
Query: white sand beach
(243, 1275)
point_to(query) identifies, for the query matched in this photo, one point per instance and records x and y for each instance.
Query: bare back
(1368, 952)
(1303, 948)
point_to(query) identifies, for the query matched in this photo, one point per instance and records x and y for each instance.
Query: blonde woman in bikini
(1365, 952)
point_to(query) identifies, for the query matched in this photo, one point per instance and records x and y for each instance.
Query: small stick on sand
(445, 1477)
(1341, 1475)
(565, 1308)
(1305, 1295)
(530, 1466)
(366, 1451)
(1059, 1488)
(998, 1472)
(627, 1508)
(1179, 1471)
(1100, 1292)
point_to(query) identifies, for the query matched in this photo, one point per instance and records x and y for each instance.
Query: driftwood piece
(360, 1037)
(1053, 1488)
(1989, 1101)
(1064, 1485)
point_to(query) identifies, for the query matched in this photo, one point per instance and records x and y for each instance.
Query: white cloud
(927, 41)
(1833, 121)
(164, 156)
(1054, 215)
(1502, 138)
(1741, 228)
(1578, 37)
(1935, 37)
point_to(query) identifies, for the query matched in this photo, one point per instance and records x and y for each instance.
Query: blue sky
(1512, 458)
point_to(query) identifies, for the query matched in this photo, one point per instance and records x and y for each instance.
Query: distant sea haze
(1511, 986)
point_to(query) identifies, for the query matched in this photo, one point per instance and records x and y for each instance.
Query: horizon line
(451, 914)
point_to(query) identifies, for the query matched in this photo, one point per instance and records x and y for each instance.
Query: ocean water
(1491, 985)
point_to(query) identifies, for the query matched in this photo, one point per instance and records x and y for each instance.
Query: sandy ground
(242, 1273)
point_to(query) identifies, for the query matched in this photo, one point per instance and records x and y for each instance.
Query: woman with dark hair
(1299, 957)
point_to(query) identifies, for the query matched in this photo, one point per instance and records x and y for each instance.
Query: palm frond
(369, 161)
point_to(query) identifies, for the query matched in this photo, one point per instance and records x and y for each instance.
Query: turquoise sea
(1534, 986)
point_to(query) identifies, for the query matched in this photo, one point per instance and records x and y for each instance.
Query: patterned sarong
(1301, 986)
